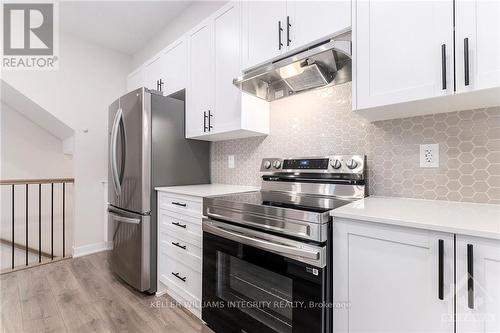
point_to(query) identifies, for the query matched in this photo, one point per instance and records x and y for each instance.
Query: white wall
(29, 151)
(89, 78)
(189, 18)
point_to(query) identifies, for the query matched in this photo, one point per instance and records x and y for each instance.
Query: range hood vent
(318, 65)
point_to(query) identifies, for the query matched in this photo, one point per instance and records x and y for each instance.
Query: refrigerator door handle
(121, 124)
(124, 219)
(112, 152)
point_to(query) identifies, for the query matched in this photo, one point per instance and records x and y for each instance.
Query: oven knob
(352, 164)
(277, 164)
(267, 164)
(336, 164)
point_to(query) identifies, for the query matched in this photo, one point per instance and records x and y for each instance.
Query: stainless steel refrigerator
(147, 148)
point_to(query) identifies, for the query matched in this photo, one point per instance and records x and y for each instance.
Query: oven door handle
(261, 243)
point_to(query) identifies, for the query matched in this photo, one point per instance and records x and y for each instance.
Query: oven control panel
(329, 164)
(306, 163)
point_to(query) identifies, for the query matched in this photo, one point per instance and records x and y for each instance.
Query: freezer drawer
(130, 257)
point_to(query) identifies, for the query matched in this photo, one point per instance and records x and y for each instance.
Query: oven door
(257, 282)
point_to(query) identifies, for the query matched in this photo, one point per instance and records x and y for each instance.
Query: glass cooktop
(316, 204)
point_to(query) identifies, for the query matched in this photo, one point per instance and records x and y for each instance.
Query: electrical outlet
(230, 161)
(429, 156)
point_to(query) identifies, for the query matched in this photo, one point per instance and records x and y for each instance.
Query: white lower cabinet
(389, 278)
(180, 248)
(478, 284)
(398, 279)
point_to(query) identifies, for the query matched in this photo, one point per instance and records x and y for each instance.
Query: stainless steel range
(266, 255)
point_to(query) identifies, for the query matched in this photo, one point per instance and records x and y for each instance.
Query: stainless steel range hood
(318, 65)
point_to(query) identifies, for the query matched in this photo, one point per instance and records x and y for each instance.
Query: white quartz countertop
(472, 219)
(207, 190)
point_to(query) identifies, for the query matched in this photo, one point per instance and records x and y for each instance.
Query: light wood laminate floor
(82, 295)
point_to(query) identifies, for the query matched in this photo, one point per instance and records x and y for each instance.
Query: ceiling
(124, 26)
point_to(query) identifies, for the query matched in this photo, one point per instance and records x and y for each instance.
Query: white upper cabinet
(155, 73)
(175, 61)
(135, 79)
(217, 109)
(408, 62)
(265, 30)
(403, 51)
(167, 71)
(313, 20)
(478, 284)
(477, 44)
(199, 94)
(272, 28)
(227, 66)
(390, 278)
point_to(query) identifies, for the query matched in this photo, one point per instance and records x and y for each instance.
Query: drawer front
(180, 203)
(181, 249)
(180, 226)
(181, 276)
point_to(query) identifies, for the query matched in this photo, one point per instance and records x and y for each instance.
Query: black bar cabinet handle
(466, 61)
(179, 245)
(204, 121)
(288, 25)
(210, 115)
(178, 204)
(441, 269)
(183, 279)
(443, 65)
(280, 29)
(179, 225)
(470, 276)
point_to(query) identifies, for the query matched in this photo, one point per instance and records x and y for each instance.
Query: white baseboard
(84, 250)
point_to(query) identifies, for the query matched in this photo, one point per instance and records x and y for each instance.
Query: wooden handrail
(36, 181)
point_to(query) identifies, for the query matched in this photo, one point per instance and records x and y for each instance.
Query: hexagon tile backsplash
(321, 123)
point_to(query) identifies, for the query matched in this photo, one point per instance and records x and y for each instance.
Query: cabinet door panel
(227, 103)
(389, 277)
(261, 33)
(482, 314)
(479, 22)
(398, 47)
(175, 68)
(200, 91)
(313, 20)
(155, 70)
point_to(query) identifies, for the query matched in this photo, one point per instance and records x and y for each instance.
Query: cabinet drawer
(181, 226)
(180, 203)
(181, 249)
(180, 275)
